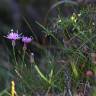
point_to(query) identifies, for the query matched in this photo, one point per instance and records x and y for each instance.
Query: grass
(64, 62)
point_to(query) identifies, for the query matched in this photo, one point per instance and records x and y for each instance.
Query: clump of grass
(66, 66)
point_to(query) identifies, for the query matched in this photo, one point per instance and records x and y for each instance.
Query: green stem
(23, 57)
(41, 74)
(14, 55)
(44, 78)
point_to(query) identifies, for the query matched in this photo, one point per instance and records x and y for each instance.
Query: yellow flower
(74, 18)
(12, 88)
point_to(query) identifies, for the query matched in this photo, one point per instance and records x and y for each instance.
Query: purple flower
(26, 39)
(13, 36)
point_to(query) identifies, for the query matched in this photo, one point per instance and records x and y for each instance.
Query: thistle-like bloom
(13, 36)
(26, 40)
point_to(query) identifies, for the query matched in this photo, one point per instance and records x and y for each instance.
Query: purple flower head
(26, 40)
(13, 36)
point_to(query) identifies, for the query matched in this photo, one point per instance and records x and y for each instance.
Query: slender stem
(23, 57)
(23, 61)
(44, 78)
(13, 45)
(41, 74)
